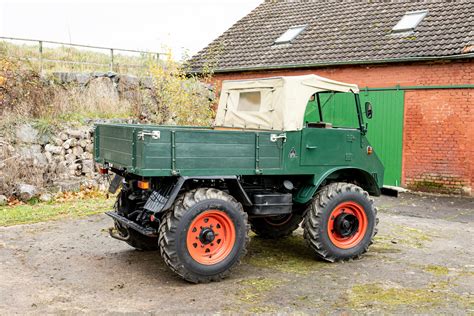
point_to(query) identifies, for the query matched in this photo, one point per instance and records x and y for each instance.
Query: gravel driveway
(421, 262)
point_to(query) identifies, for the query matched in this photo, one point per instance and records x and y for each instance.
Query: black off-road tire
(273, 227)
(137, 240)
(316, 221)
(142, 242)
(174, 231)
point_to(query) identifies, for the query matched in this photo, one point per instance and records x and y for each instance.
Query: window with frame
(409, 21)
(249, 101)
(290, 34)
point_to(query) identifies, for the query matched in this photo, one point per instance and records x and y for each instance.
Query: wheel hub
(207, 235)
(346, 224)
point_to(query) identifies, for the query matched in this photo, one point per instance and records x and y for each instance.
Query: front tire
(204, 236)
(341, 222)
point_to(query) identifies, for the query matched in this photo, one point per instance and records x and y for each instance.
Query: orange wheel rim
(211, 237)
(347, 225)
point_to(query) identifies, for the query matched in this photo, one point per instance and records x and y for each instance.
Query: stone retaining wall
(36, 163)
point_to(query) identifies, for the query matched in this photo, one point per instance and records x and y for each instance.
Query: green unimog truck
(271, 162)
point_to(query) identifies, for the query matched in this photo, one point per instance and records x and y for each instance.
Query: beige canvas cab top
(277, 103)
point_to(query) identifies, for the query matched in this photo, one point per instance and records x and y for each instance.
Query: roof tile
(341, 32)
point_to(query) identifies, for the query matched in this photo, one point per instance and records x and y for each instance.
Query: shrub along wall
(45, 138)
(45, 126)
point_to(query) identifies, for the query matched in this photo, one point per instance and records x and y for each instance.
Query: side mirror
(368, 110)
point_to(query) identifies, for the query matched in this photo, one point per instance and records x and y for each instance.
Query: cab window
(335, 108)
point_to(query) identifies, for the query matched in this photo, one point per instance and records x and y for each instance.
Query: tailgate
(115, 143)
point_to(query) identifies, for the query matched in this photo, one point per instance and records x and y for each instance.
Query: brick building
(412, 60)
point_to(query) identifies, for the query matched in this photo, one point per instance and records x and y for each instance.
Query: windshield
(339, 109)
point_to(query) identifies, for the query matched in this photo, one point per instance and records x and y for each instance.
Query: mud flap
(115, 184)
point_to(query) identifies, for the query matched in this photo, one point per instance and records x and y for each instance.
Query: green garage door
(385, 128)
(385, 131)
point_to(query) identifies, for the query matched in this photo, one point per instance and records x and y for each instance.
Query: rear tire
(204, 236)
(124, 206)
(137, 240)
(341, 222)
(273, 227)
(142, 242)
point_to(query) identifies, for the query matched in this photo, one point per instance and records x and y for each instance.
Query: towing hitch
(114, 232)
(126, 223)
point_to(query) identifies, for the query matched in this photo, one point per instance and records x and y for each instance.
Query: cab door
(327, 146)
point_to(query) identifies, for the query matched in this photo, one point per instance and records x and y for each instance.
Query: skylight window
(290, 34)
(409, 21)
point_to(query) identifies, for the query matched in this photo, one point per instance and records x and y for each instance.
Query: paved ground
(422, 262)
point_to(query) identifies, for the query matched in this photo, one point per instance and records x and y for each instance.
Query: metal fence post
(41, 55)
(111, 59)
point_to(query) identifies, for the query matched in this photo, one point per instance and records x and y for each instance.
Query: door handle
(311, 147)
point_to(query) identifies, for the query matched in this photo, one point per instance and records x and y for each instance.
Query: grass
(384, 244)
(253, 292)
(290, 255)
(389, 298)
(413, 237)
(28, 214)
(436, 270)
(30, 98)
(401, 235)
(26, 94)
(255, 288)
(99, 59)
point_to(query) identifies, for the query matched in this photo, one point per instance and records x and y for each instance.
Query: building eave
(341, 63)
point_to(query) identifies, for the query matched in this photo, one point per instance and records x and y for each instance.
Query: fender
(232, 182)
(363, 177)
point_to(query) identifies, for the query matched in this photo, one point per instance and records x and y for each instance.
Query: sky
(184, 26)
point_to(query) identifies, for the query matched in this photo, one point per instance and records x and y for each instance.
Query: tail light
(144, 185)
(103, 171)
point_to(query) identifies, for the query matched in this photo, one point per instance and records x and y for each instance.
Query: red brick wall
(438, 140)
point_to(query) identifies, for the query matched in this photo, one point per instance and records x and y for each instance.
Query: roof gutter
(341, 63)
(435, 87)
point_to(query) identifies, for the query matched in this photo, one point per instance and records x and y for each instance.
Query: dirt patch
(387, 297)
(455, 209)
(421, 262)
(288, 255)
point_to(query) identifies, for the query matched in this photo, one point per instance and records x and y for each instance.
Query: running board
(392, 190)
(150, 232)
